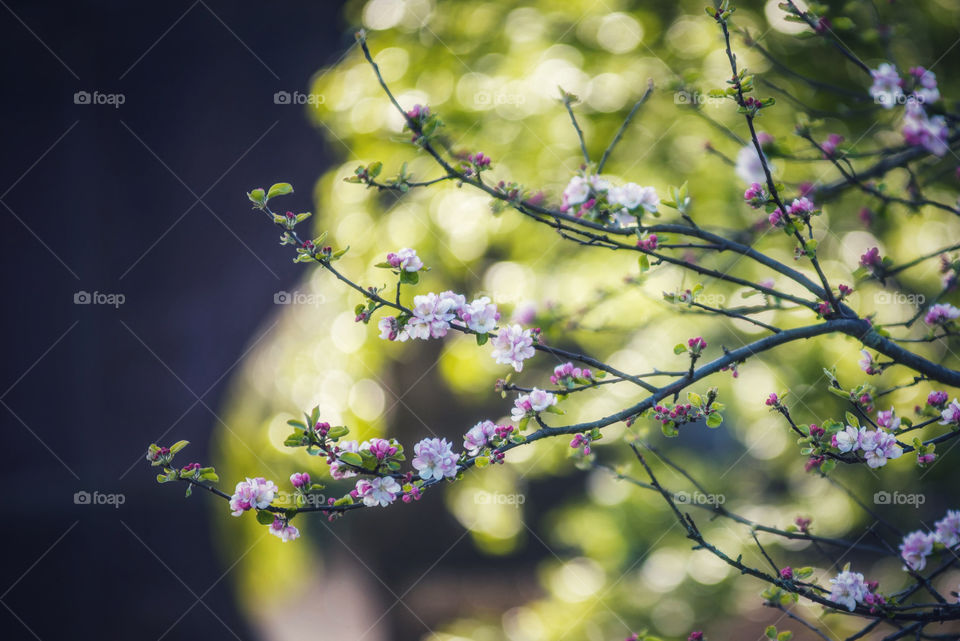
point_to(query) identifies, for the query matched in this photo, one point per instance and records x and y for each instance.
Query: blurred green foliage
(492, 71)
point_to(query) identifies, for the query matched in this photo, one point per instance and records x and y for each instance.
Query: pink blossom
(887, 87)
(888, 419)
(878, 446)
(576, 192)
(755, 195)
(801, 207)
(697, 344)
(772, 400)
(941, 313)
(776, 218)
(536, 401)
(937, 399)
(283, 530)
(566, 373)
(871, 258)
(381, 448)
(478, 436)
(830, 145)
(948, 528)
(848, 590)
(921, 130)
(432, 314)
(951, 413)
(419, 112)
(406, 260)
(915, 549)
(648, 243)
(480, 315)
(512, 345)
(434, 459)
(380, 491)
(926, 90)
(255, 493)
(480, 159)
(867, 364)
(390, 329)
(300, 479)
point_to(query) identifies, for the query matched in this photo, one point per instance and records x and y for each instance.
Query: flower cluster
(919, 128)
(878, 446)
(255, 493)
(756, 196)
(527, 405)
(849, 589)
(951, 413)
(594, 198)
(566, 375)
(513, 345)
(405, 260)
(282, 529)
(376, 491)
(918, 545)
(434, 314)
(478, 437)
(435, 459)
(941, 314)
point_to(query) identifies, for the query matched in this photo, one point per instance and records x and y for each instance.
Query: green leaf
(279, 189)
(256, 196)
(786, 635)
(852, 420)
(669, 429)
(338, 431)
(482, 339)
(715, 419)
(644, 263)
(679, 348)
(179, 445)
(352, 458)
(803, 573)
(771, 632)
(409, 278)
(265, 517)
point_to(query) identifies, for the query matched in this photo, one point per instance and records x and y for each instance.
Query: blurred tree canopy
(609, 558)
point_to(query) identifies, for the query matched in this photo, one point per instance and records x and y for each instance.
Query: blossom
(937, 399)
(513, 345)
(878, 446)
(847, 439)
(948, 528)
(648, 243)
(255, 493)
(926, 89)
(830, 145)
(283, 530)
(749, 166)
(921, 130)
(871, 258)
(480, 315)
(951, 413)
(381, 448)
(915, 548)
(536, 401)
(633, 196)
(380, 491)
(576, 192)
(478, 436)
(390, 329)
(406, 260)
(697, 344)
(941, 313)
(567, 373)
(434, 459)
(299, 479)
(867, 364)
(887, 88)
(432, 314)
(755, 195)
(338, 469)
(888, 419)
(848, 590)
(776, 218)
(801, 207)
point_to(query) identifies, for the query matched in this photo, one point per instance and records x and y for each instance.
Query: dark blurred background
(145, 200)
